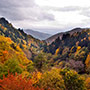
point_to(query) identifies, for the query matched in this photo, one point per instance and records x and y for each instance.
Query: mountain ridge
(18, 36)
(37, 34)
(60, 35)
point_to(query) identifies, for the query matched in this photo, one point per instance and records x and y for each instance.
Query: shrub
(12, 82)
(13, 66)
(53, 80)
(72, 80)
(76, 65)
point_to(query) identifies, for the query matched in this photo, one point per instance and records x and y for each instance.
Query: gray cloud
(27, 14)
(86, 12)
(70, 8)
(66, 8)
(26, 10)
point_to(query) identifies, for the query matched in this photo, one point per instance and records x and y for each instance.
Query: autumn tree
(30, 67)
(53, 80)
(40, 62)
(75, 65)
(16, 82)
(13, 66)
(87, 62)
(57, 51)
(72, 80)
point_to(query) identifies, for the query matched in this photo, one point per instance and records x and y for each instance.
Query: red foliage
(12, 82)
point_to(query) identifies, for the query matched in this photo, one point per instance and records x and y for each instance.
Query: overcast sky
(50, 16)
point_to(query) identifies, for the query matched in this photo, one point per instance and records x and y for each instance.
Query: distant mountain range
(37, 34)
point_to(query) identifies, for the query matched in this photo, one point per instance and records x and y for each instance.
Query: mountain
(74, 44)
(26, 42)
(37, 34)
(54, 37)
(28, 63)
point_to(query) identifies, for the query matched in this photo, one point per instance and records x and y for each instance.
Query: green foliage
(30, 67)
(13, 66)
(40, 61)
(72, 80)
(3, 70)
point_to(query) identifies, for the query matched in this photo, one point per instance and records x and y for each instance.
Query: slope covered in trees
(26, 42)
(72, 49)
(62, 65)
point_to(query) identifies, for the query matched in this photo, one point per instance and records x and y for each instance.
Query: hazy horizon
(48, 16)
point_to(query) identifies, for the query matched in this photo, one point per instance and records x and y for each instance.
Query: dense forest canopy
(27, 63)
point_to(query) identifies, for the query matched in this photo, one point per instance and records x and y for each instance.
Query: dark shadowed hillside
(54, 37)
(67, 46)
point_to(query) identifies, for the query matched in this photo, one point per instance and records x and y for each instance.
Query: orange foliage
(2, 27)
(22, 66)
(87, 82)
(5, 56)
(89, 38)
(12, 82)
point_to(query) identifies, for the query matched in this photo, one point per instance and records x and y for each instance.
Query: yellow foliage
(78, 48)
(87, 62)
(53, 80)
(57, 51)
(7, 51)
(18, 48)
(36, 76)
(5, 39)
(24, 42)
(71, 49)
(25, 74)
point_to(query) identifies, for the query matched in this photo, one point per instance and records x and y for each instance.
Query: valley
(60, 62)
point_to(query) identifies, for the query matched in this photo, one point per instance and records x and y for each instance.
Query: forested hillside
(72, 48)
(27, 63)
(26, 42)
